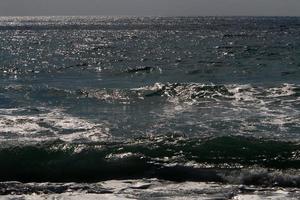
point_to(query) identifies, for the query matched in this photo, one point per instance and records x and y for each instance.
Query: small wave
(196, 92)
(183, 92)
(45, 92)
(140, 69)
(108, 95)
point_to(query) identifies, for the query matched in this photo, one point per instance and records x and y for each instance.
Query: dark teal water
(186, 98)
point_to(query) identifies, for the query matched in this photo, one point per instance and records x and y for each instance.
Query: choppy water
(201, 99)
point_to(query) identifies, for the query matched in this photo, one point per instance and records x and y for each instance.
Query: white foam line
(158, 189)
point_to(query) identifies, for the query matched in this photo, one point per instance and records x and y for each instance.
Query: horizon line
(149, 15)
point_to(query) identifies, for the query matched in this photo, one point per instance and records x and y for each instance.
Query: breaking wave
(225, 159)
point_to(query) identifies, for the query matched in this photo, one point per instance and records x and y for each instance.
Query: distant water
(160, 101)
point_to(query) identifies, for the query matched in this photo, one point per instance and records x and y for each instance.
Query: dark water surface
(89, 99)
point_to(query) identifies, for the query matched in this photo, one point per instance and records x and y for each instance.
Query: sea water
(150, 107)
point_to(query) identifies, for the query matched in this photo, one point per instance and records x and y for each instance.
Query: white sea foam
(157, 189)
(244, 109)
(67, 196)
(285, 90)
(50, 124)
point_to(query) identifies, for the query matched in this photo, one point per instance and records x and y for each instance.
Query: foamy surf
(143, 189)
(47, 124)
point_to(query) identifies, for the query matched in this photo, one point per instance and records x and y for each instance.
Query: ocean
(150, 108)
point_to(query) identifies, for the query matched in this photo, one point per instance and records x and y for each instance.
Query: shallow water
(203, 99)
